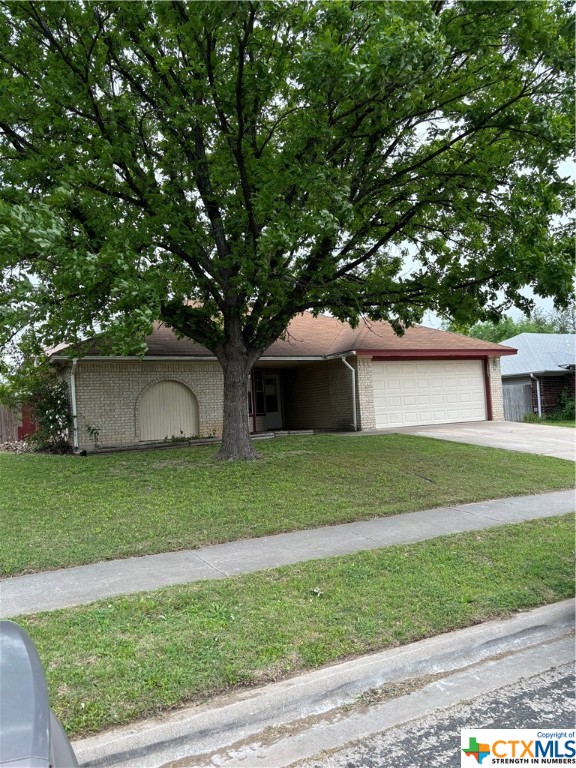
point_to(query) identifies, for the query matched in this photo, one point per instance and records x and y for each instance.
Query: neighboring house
(536, 377)
(16, 424)
(323, 375)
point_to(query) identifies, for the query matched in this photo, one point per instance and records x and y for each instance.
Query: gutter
(538, 394)
(73, 403)
(155, 358)
(200, 358)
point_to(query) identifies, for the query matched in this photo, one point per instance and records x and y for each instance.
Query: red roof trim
(432, 354)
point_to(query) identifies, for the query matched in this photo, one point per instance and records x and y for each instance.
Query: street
(546, 700)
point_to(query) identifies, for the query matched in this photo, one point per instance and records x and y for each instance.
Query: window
(271, 394)
(259, 392)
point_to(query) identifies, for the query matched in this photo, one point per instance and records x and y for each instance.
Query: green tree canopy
(223, 166)
(537, 321)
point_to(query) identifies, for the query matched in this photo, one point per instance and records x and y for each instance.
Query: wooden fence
(9, 423)
(517, 401)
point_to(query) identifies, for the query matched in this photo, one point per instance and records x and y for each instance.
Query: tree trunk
(236, 362)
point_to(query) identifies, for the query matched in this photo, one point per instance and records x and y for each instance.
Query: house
(323, 375)
(536, 377)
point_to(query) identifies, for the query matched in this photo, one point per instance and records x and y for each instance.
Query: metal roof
(539, 353)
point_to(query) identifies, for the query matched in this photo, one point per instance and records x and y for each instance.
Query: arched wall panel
(167, 409)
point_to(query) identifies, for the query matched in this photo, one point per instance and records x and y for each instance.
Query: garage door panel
(471, 397)
(428, 392)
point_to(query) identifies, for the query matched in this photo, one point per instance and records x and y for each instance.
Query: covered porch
(303, 395)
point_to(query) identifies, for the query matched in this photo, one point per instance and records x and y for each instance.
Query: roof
(325, 336)
(309, 337)
(540, 353)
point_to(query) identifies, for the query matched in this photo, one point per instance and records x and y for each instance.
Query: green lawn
(125, 658)
(550, 422)
(57, 511)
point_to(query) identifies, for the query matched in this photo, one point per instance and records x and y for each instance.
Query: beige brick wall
(366, 417)
(107, 396)
(495, 384)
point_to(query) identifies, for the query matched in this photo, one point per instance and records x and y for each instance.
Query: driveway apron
(541, 439)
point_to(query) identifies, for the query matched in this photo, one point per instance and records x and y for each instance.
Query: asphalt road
(544, 701)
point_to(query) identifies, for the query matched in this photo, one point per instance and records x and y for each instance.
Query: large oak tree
(223, 166)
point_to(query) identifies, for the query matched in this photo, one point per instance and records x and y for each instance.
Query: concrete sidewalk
(75, 586)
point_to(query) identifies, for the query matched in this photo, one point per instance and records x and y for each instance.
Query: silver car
(30, 734)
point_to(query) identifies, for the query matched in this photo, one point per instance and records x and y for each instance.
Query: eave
(136, 359)
(433, 354)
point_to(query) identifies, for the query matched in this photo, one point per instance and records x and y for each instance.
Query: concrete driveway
(510, 435)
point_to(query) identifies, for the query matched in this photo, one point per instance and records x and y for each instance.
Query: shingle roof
(164, 342)
(540, 353)
(322, 336)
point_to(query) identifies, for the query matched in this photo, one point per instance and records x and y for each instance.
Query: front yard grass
(58, 511)
(550, 422)
(125, 658)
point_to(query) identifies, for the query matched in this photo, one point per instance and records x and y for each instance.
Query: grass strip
(58, 511)
(126, 658)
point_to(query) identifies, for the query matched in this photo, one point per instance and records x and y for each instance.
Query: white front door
(272, 401)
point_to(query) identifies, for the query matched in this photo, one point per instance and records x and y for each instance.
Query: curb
(232, 719)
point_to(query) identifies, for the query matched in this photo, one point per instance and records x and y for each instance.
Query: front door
(273, 401)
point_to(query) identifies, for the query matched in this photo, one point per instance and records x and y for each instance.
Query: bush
(566, 411)
(38, 385)
(532, 418)
(50, 411)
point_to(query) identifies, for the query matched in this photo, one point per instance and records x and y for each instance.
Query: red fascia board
(433, 354)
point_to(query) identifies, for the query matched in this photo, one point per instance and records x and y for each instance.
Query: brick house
(536, 378)
(323, 375)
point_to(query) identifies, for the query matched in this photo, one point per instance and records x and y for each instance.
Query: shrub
(38, 385)
(566, 411)
(531, 418)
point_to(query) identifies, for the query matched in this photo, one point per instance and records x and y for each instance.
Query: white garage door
(428, 392)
